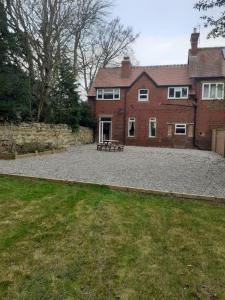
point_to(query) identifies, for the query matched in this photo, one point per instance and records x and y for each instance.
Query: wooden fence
(218, 141)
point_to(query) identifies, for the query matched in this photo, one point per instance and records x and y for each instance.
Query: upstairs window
(178, 92)
(131, 127)
(152, 127)
(108, 94)
(213, 91)
(143, 95)
(180, 129)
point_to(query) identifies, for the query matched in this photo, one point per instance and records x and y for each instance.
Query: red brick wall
(115, 110)
(142, 111)
(210, 115)
(158, 107)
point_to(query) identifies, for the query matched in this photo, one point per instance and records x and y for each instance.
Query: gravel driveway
(188, 171)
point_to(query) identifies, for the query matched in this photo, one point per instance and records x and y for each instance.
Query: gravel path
(188, 171)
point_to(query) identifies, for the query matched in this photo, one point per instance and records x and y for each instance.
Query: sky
(165, 28)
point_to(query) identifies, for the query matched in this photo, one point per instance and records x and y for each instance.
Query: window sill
(178, 99)
(212, 99)
(107, 99)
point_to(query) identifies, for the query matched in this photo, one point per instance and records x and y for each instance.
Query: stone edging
(12, 156)
(179, 196)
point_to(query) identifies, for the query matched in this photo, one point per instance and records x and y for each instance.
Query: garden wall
(42, 135)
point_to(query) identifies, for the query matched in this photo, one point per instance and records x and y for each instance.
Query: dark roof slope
(161, 75)
(208, 63)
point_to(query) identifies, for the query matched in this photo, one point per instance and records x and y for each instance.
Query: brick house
(166, 106)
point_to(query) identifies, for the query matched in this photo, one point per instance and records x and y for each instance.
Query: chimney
(126, 67)
(194, 42)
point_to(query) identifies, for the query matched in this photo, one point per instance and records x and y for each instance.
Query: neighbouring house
(166, 106)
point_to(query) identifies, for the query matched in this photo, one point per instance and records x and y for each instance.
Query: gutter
(125, 117)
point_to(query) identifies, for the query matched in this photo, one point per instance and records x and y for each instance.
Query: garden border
(178, 196)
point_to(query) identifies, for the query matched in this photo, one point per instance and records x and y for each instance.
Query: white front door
(105, 130)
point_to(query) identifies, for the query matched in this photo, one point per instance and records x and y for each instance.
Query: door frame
(101, 125)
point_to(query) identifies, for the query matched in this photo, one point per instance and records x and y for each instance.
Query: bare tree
(44, 24)
(75, 29)
(86, 14)
(103, 46)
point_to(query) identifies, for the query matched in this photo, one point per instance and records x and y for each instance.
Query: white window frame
(131, 119)
(139, 95)
(152, 120)
(180, 124)
(106, 91)
(178, 88)
(210, 83)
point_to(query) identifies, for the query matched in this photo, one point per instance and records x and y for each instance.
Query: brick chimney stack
(126, 67)
(194, 42)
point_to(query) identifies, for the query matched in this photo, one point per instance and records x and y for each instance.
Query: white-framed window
(213, 91)
(180, 129)
(180, 92)
(152, 127)
(143, 95)
(131, 127)
(108, 94)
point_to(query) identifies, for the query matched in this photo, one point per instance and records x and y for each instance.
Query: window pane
(177, 94)
(116, 93)
(206, 91)
(99, 94)
(171, 92)
(220, 91)
(180, 129)
(143, 92)
(108, 91)
(213, 91)
(131, 128)
(184, 92)
(152, 128)
(108, 96)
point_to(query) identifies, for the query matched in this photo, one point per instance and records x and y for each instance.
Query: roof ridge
(160, 66)
(209, 48)
(150, 66)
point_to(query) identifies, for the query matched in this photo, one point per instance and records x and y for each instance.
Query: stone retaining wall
(56, 136)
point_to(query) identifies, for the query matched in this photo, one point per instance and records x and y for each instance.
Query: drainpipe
(194, 105)
(125, 117)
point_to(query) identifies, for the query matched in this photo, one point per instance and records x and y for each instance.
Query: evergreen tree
(86, 116)
(14, 102)
(64, 100)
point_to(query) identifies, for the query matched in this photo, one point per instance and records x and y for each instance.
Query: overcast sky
(165, 28)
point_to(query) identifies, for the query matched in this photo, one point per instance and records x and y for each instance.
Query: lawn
(85, 242)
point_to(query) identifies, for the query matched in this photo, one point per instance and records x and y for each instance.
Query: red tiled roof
(209, 62)
(161, 75)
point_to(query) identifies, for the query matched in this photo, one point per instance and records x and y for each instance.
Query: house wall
(166, 111)
(210, 115)
(115, 110)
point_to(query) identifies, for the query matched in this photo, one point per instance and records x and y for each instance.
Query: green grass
(81, 242)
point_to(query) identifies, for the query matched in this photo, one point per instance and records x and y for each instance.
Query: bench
(110, 147)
